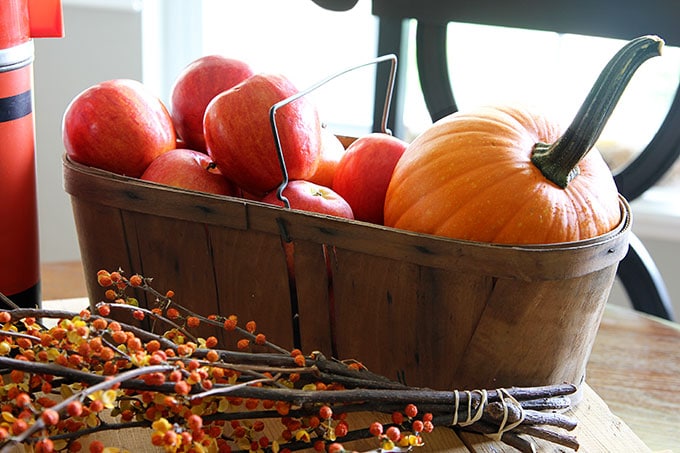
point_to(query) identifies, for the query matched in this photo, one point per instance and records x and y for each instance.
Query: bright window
(306, 43)
(488, 64)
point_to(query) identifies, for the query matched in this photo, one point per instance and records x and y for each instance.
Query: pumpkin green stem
(559, 161)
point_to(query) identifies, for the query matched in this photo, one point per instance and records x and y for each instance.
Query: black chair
(622, 19)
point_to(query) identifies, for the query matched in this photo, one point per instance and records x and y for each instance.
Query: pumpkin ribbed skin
(470, 176)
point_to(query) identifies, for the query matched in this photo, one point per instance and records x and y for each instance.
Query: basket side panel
(314, 294)
(536, 333)
(103, 242)
(402, 320)
(176, 254)
(251, 277)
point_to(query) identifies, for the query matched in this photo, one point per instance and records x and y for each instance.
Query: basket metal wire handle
(383, 124)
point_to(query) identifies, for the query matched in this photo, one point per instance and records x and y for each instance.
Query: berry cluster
(72, 379)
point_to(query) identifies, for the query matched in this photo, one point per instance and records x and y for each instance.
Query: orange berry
(100, 323)
(170, 294)
(74, 408)
(104, 309)
(46, 388)
(153, 346)
(19, 426)
(314, 422)
(107, 353)
(282, 407)
(229, 324)
(22, 399)
(104, 278)
(45, 445)
(336, 447)
(195, 422)
(211, 342)
(376, 429)
(110, 294)
(158, 439)
(24, 343)
(84, 349)
(114, 326)
(119, 337)
(251, 326)
(411, 410)
(75, 359)
(300, 360)
(243, 343)
(182, 388)
(116, 277)
(393, 433)
(325, 412)
(358, 366)
(136, 280)
(172, 313)
(260, 339)
(16, 376)
(183, 350)
(96, 446)
(50, 417)
(96, 406)
(341, 429)
(239, 432)
(5, 317)
(96, 345)
(138, 315)
(61, 360)
(193, 321)
(212, 356)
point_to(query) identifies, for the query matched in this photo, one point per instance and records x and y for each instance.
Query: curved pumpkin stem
(559, 161)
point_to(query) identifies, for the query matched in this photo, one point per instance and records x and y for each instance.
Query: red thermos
(20, 21)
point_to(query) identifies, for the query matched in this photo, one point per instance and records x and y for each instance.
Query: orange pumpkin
(508, 175)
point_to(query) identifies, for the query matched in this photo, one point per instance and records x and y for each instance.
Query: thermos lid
(21, 20)
(45, 18)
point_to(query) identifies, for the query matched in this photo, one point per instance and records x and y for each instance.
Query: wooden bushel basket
(427, 310)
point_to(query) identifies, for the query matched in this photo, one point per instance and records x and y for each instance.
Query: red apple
(239, 135)
(195, 87)
(117, 125)
(364, 173)
(332, 151)
(188, 169)
(307, 196)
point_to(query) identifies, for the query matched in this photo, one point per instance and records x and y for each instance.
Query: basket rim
(133, 194)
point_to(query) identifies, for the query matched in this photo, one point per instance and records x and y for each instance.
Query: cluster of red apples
(216, 137)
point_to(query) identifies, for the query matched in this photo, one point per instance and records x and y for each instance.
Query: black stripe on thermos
(15, 107)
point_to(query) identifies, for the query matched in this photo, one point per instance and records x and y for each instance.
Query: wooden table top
(634, 366)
